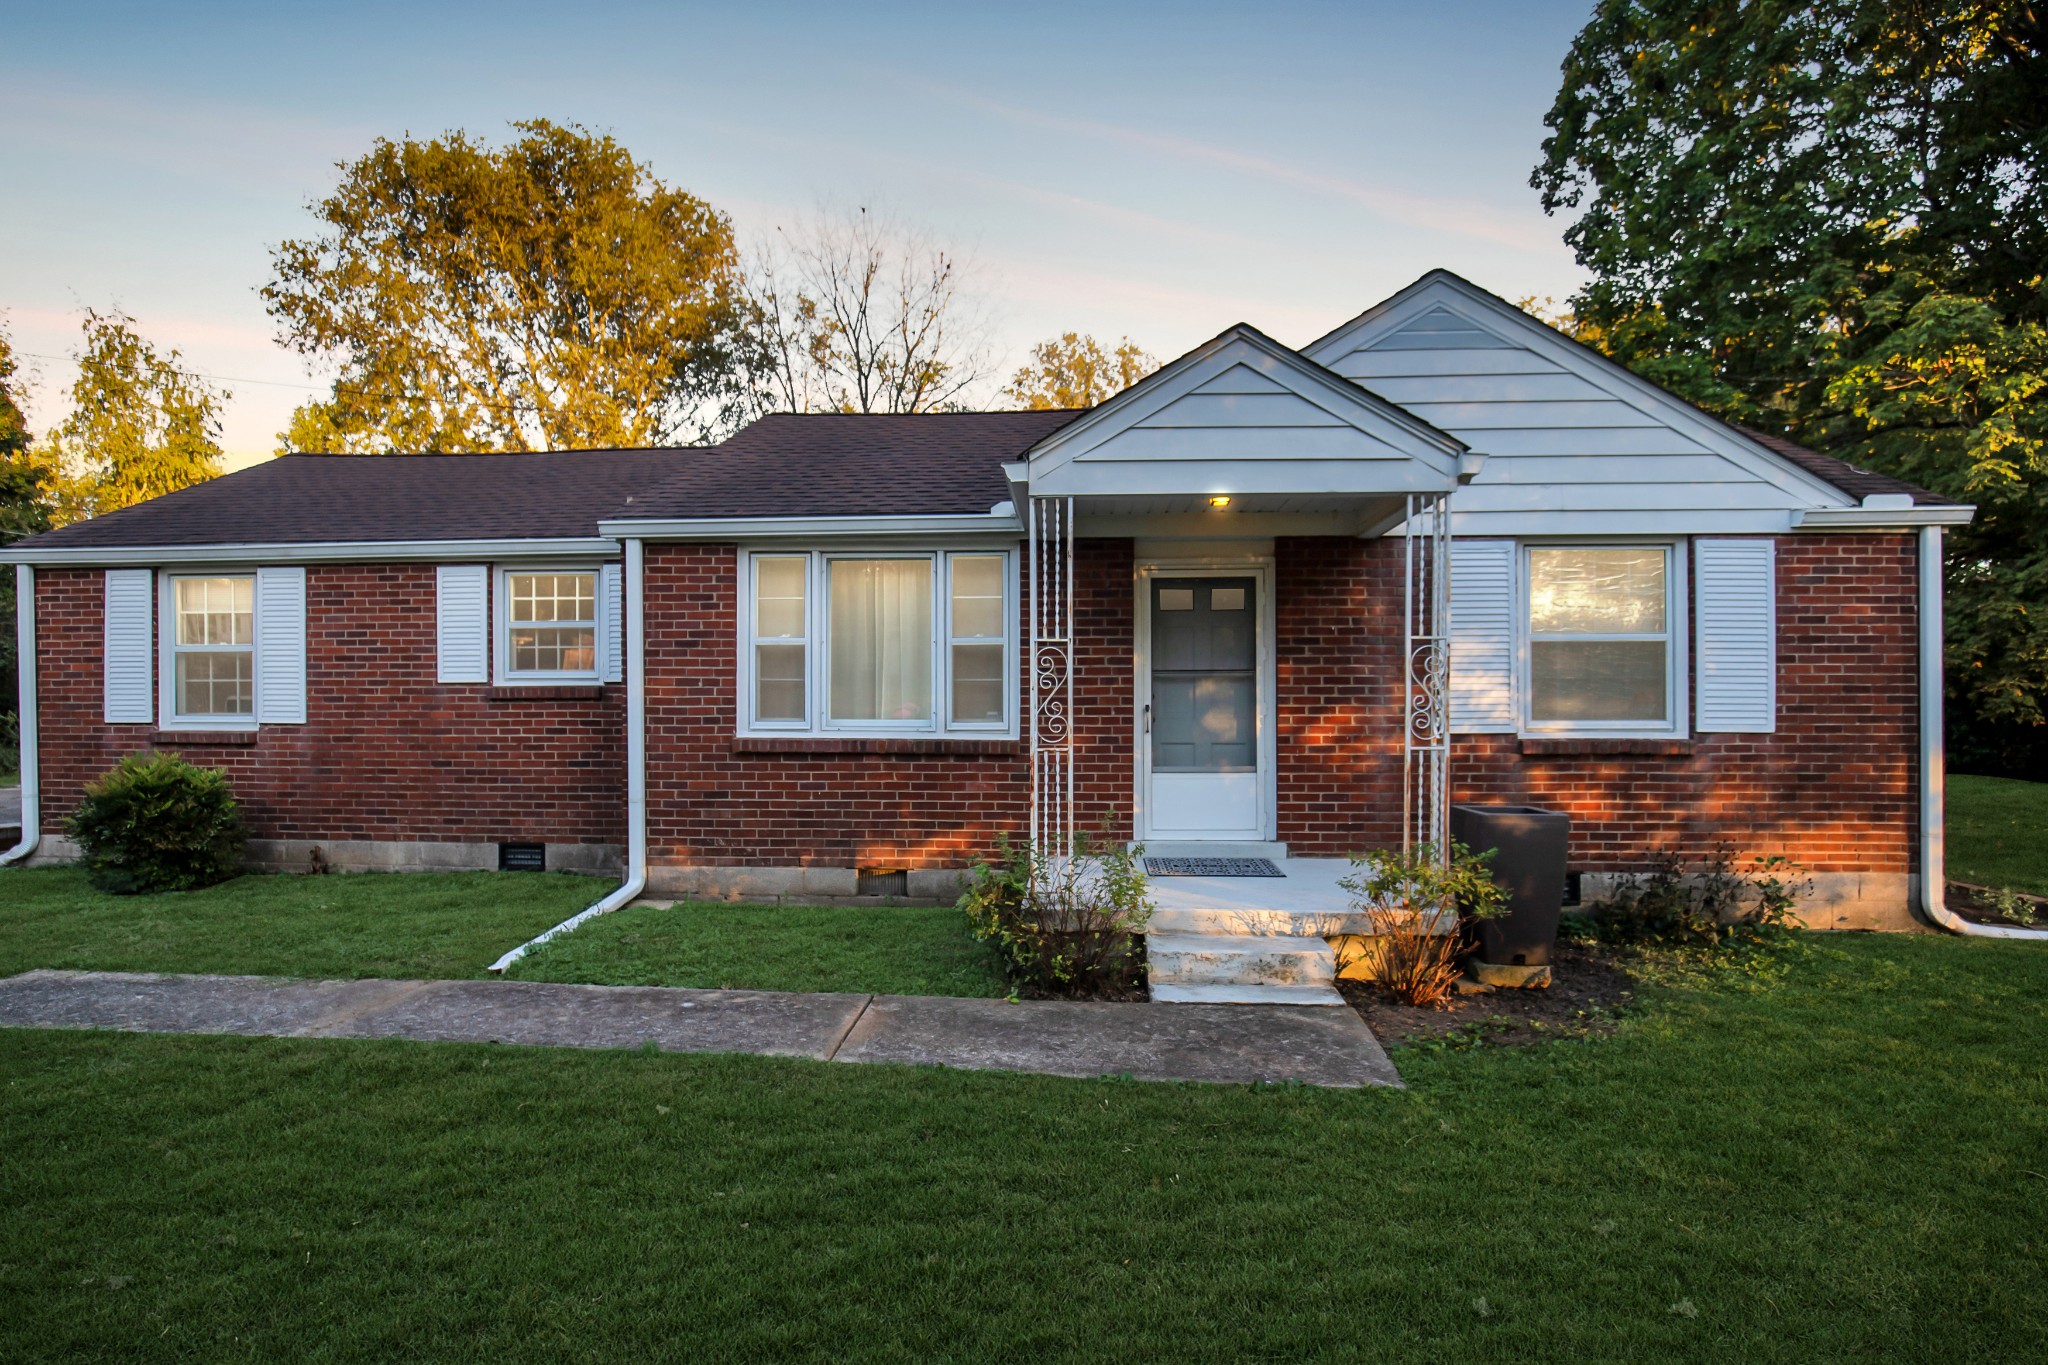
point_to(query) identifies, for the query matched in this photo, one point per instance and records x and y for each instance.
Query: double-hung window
(213, 648)
(1603, 639)
(878, 642)
(548, 625)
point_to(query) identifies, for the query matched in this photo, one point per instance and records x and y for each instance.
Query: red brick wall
(717, 800)
(1836, 786)
(1338, 635)
(386, 753)
(390, 754)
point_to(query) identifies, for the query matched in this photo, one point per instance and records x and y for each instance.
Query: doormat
(1212, 867)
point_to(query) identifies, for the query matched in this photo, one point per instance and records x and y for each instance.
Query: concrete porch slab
(1232, 1044)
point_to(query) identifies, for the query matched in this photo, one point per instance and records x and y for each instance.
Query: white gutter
(636, 765)
(31, 766)
(1934, 761)
(1878, 518)
(303, 552)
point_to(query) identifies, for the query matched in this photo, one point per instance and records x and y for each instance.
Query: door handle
(1148, 717)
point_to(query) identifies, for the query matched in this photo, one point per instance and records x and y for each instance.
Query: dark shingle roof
(853, 465)
(332, 498)
(1858, 483)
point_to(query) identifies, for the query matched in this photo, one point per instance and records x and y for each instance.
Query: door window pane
(881, 640)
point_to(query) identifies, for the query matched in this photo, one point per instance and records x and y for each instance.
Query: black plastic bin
(1529, 866)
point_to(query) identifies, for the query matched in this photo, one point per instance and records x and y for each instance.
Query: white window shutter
(1483, 637)
(281, 645)
(128, 660)
(463, 624)
(611, 621)
(1736, 585)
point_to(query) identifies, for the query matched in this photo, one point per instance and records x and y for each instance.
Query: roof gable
(1599, 440)
(1242, 413)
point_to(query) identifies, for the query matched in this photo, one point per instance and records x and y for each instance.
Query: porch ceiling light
(1220, 501)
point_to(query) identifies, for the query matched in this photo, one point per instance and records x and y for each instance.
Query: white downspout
(1934, 760)
(31, 766)
(636, 767)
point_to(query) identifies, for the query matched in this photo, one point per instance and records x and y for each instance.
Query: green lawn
(1847, 1165)
(1998, 832)
(425, 924)
(900, 950)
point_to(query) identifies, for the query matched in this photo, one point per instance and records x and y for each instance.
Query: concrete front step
(1239, 959)
(1244, 922)
(1170, 993)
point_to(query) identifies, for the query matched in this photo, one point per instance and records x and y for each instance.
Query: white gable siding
(1572, 445)
(1242, 416)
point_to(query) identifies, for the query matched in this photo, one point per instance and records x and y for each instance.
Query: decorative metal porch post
(1426, 743)
(1051, 552)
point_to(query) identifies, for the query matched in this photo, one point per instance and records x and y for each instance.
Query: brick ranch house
(838, 655)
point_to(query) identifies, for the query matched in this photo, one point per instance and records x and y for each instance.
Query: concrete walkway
(1234, 1044)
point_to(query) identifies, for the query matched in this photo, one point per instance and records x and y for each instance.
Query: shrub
(158, 823)
(1062, 926)
(1417, 906)
(1709, 905)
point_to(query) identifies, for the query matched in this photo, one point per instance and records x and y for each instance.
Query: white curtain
(881, 639)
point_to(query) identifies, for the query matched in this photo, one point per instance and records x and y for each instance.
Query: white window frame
(1676, 629)
(749, 638)
(168, 716)
(818, 644)
(502, 673)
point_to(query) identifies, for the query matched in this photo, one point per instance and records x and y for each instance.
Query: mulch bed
(1587, 991)
(1973, 903)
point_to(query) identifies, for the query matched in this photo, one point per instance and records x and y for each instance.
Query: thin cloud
(1467, 218)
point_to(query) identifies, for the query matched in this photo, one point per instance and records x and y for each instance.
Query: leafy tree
(1075, 371)
(140, 426)
(550, 294)
(861, 314)
(1831, 220)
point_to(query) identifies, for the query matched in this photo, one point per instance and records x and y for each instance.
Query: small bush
(157, 823)
(1709, 905)
(1062, 926)
(1417, 906)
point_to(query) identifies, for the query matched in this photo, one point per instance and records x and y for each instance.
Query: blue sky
(1157, 171)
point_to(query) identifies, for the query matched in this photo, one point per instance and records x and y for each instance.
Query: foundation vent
(881, 881)
(522, 857)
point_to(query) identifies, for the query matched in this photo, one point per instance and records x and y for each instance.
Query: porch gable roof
(1243, 414)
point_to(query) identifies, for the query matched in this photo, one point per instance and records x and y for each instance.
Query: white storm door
(1200, 743)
